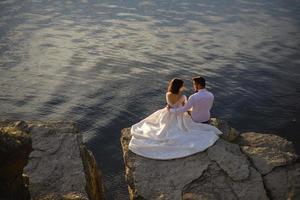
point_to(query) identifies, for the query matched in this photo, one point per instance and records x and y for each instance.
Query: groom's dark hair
(199, 80)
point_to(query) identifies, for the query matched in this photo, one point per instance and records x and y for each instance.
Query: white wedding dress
(164, 135)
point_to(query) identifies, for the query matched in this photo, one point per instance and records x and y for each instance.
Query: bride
(165, 135)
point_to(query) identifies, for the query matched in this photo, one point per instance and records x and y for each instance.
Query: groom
(201, 102)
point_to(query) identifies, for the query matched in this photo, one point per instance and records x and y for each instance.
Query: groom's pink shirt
(201, 103)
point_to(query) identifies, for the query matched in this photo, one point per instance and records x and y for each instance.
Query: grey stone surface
(55, 165)
(266, 159)
(284, 182)
(253, 139)
(227, 170)
(59, 164)
(251, 188)
(215, 184)
(230, 158)
(158, 179)
(267, 151)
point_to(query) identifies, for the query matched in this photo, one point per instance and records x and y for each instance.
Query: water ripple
(106, 64)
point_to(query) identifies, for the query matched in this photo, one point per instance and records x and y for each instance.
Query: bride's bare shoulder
(171, 95)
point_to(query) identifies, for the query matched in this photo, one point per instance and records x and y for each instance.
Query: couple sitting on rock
(180, 129)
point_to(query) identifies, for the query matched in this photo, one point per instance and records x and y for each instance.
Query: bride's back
(175, 100)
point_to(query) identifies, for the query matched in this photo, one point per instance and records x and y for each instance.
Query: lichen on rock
(15, 147)
(267, 151)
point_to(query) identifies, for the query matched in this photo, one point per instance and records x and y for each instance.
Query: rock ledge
(243, 166)
(59, 166)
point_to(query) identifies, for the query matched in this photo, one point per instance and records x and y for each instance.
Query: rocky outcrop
(15, 147)
(246, 166)
(59, 166)
(94, 186)
(284, 182)
(230, 134)
(275, 158)
(267, 151)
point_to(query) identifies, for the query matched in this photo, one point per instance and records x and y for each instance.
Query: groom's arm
(183, 109)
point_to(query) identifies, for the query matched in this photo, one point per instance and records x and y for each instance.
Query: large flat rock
(284, 182)
(246, 166)
(253, 139)
(55, 165)
(60, 166)
(214, 184)
(230, 158)
(267, 151)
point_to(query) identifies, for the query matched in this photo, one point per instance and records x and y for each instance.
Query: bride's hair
(175, 85)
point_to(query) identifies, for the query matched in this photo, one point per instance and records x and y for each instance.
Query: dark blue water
(106, 65)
